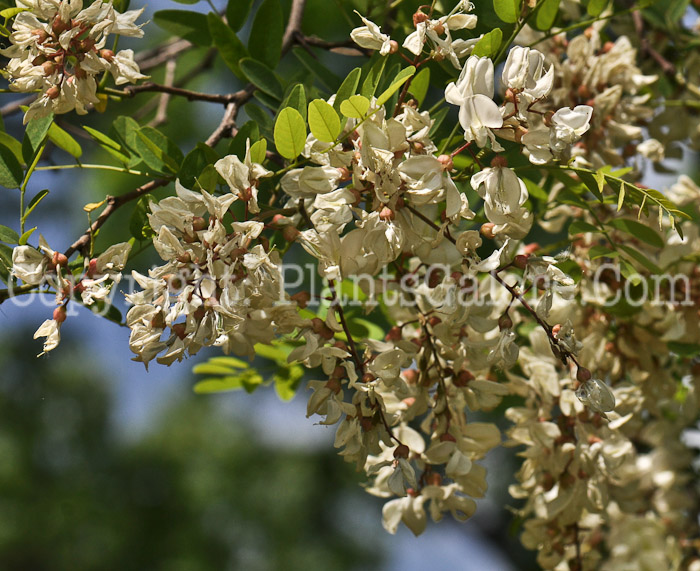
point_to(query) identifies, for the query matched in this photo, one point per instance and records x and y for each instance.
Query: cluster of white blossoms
(602, 399)
(222, 284)
(59, 50)
(89, 285)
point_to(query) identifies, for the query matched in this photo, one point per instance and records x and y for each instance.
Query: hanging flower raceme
(60, 49)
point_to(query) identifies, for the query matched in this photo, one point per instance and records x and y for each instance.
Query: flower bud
(393, 46)
(107, 55)
(321, 329)
(394, 334)
(463, 379)
(486, 230)
(59, 259)
(520, 261)
(48, 67)
(59, 314)
(198, 223)
(439, 28)
(419, 17)
(290, 233)
(499, 161)
(583, 374)
(401, 451)
(410, 376)
(344, 173)
(386, 214)
(53, 92)
(58, 26)
(556, 329)
(505, 322)
(179, 330)
(368, 378)
(447, 437)
(446, 162)
(301, 298)
(334, 385)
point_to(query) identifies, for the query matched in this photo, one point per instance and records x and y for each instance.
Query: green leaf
(138, 223)
(195, 162)
(629, 273)
(507, 10)
(35, 201)
(126, 128)
(688, 350)
(601, 251)
(621, 196)
(237, 13)
(249, 130)
(258, 151)
(403, 76)
(11, 173)
(248, 379)
(8, 235)
(489, 45)
(287, 381)
(325, 76)
(220, 366)
(262, 77)
(355, 107)
(374, 75)
(24, 237)
(581, 226)
(13, 144)
(188, 25)
(419, 85)
(34, 136)
(324, 122)
(640, 258)
(228, 44)
(547, 13)
(638, 230)
(209, 179)
(186, 1)
(347, 88)
(265, 43)
(595, 7)
(102, 138)
(290, 133)
(65, 141)
(296, 99)
(157, 151)
(5, 263)
(262, 118)
(535, 190)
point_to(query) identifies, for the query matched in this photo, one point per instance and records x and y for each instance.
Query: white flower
(51, 329)
(568, 125)
(28, 264)
(370, 37)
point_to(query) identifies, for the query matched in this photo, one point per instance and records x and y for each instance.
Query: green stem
(91, 166)
(25, 182)
(583, 24)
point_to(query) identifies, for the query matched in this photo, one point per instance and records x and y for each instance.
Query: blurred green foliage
(196, 492)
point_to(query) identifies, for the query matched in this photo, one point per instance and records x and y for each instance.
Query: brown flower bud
(447, 437)
(290, 233)
(419, 17)
(463, 379)
(499, 161)
(410, 376)
(334, 385)
(394, 334)
(556, 329)
(301, 298)
(486, 230)
(439, 28)
(59, 314)
(401, 451)
(53, 92)
(393, 46)
(107, 55)
(321, 329)
(59, 259)
(505, 322)
(583, 374)
(48, 67)
(368, 378)
(198, 223)
(520, 261)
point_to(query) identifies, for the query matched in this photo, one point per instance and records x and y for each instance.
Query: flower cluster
(59, 49)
